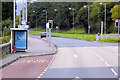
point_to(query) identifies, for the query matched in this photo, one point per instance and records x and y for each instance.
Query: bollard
(97, 37)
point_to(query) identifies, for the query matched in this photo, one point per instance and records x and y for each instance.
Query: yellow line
(46, 68)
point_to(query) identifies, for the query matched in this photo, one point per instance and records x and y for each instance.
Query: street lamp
(46, 23)
(46, 14)
(36, 19)
(104, 17)
(57, 20)
(73, 17)
(88, 18)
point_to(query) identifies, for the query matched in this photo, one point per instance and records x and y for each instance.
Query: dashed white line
(75, 56)
(107, 64)
(102, 59)
(114, 72)
(105, 61)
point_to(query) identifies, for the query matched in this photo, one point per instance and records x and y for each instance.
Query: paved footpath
(32, 60)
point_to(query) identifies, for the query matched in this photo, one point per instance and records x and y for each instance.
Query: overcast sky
(19, 6)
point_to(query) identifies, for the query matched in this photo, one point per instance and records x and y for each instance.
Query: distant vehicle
(43, 34)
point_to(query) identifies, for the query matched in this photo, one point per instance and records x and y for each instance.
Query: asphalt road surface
(83, 59)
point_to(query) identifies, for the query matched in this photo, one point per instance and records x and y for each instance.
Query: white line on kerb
(114, 72)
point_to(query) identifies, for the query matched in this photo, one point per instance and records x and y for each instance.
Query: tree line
(63, 16)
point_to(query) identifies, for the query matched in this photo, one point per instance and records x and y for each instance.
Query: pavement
(36, 47)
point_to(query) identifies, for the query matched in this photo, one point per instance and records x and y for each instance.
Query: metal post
(105, 19)
(101, 30)
(73, 20)
(23, 15)
(88, 19)
(26, 12)
(49, 36)
(46, 16)
(11, 40)
(14, 13)
(36, 22)
(118, 29)
(46, 27)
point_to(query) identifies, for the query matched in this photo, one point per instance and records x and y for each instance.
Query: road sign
(47, 25)
(23, 26)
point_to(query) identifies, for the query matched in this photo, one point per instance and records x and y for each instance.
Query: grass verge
(88, 37)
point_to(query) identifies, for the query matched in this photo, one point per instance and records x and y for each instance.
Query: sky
(19, 6)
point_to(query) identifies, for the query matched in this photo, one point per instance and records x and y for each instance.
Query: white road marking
(102, 59)
(77, 77)
(75, 56)
(117, 54)
(107, 64)
(114, 72)
(105, 61)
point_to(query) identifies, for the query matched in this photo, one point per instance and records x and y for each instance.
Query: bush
(6, 39)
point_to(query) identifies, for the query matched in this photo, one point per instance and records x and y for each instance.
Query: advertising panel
(21, 39)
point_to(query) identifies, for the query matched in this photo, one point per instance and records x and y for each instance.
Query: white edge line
(114, 72)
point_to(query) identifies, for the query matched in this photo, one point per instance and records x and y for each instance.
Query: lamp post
(36, 19)
(88, 18)
(57, 21)
(46, 14)
(45, 24)
(73, 17)
(104, 17)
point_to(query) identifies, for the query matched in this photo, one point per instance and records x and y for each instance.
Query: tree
(7, 10)
(115, 12)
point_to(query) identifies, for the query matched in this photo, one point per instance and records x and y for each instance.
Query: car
(43, 34)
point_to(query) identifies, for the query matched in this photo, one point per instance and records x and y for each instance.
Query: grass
(89, 37)
(34, 33)
(77, 35)
(112, 40)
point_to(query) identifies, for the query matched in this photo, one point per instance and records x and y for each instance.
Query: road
(83, 59)
(74, 59)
